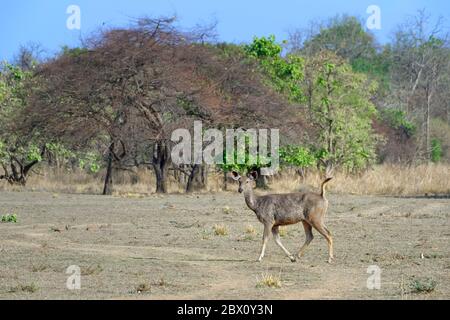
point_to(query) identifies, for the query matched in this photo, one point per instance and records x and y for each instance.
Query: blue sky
(44, 21)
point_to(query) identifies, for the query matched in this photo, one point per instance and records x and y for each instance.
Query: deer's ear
(235, 175)
(253, 175)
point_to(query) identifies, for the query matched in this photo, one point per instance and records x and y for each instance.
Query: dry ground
(166, 247)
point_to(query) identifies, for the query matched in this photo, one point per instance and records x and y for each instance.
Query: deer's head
(245, 183)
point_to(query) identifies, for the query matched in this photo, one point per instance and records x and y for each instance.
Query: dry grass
(226, 210)
(425, 285)
(269, 280)
(283, 231)
(39, 267)
(380, 180)
(220, 230)
(249, 229)
(143, 288)
(29, 288)
(91, 270)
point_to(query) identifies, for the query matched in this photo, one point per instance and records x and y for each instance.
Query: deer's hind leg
(309, 238)
(320, 227)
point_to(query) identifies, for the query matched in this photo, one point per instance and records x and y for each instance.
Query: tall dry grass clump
(379, 180)
(140, 181)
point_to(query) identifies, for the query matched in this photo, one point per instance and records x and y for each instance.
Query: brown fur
(276, 210)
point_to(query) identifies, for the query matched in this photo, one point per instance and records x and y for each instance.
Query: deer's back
(283, 209)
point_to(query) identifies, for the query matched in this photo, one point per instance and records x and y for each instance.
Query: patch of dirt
(167, 244)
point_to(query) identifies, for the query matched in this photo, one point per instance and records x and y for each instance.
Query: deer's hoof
(331, 260)
(292, 259)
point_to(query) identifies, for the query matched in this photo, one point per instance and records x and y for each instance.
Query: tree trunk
(161, 156)
(225, 180)
(161, 179)
(427, 127)
(301, 172)
(108, 186)
(19, 170)
(197, 178)
(205, 169)
(261, 181)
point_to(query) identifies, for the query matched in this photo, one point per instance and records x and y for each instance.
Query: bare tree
(420, 60)
(127, 89)
(29, 56)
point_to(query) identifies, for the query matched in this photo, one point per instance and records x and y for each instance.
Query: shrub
(9, 218)
(220, 230)
(297, 156)
(436, 150)
(422, 285)
(269, 280)
(397, 119)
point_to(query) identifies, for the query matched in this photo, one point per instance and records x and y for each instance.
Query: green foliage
(13, 93)
(250, 162)
(343, 35)
(346, 37)
(264, 47)
(27, 152)
(297, 156)
(436, 150)
(440, 130)
(59, 151)
(339, 100)
(397, 119)
(33, 153)
(9, 218)
(61, 156)
(285, 74)
(3, 152)
(73, 52)
(422, 285)
(89, 161)
(12, 90)
(376, 66)
(340, 107)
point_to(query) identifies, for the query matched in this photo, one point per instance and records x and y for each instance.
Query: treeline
(339, 98)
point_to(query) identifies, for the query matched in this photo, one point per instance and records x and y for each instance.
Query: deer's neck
(250, 199)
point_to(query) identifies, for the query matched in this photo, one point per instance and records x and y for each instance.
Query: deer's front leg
(276, 236)
(266, 235)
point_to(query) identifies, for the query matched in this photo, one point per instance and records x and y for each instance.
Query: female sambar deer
(275, 210)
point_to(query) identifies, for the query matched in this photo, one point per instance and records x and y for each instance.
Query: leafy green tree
(285, 74)
(18, 153)
(340, 107)
(377, 66)
(346, 37)
(343, 35)
(338, 99)
(299, 157)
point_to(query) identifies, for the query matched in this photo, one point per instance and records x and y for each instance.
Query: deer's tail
(322, 187)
